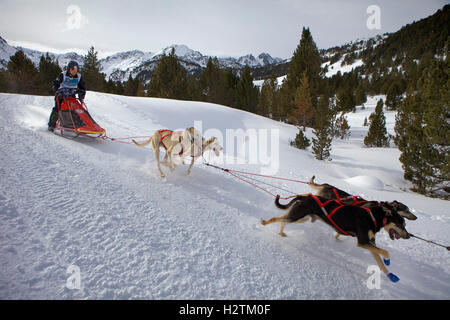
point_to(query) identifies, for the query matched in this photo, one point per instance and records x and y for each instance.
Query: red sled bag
(74, 117)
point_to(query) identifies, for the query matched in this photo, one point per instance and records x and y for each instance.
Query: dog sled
(74, 119)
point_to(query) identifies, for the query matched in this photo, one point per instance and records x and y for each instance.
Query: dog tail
(313, 185)
(142, 144)
(282, 206)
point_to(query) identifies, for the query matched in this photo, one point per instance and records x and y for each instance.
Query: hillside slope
(100, 205)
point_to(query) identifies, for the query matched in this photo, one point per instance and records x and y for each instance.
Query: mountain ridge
(119, 66)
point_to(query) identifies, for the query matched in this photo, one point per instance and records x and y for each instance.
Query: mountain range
(121, 65)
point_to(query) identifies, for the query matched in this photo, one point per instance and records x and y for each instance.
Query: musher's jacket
(67, 81)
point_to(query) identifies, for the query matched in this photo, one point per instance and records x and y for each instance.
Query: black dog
(331, 192)
(350, 220)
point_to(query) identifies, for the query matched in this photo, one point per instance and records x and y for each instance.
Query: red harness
(356, 199)
(169, 132)
(339, 205)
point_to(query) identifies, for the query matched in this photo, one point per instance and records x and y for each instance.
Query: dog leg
(190, 166)
(375, 253)
(170, 159)
(379, 262)
(156, 152)
(164, 160)
(159, 166)
(272, 220)
(375, 249)
(281, 233)
(282, 220)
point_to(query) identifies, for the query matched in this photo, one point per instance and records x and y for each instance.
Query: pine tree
(360, 95)
(346, 100)
(3, 83)
(377, 135)
(247, 93)
(268, 101)
(306, 59)
(231, 95)
(411, 141)
(394, 96)
(300, 142)
(48, 72)
(193, 89)
(423, 130)
(323, 129)
(342, 128)
(169, 80)
(22, 76)
(213, 83)
(285, 103)
(303, 112)
(91, 71)
(131, 86)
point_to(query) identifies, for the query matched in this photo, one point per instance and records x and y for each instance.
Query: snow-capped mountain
(6, 51)
(119, 66)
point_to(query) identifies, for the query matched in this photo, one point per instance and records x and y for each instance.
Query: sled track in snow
(141, 249)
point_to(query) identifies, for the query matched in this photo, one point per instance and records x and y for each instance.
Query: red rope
(256, 186)
(127, 138)
(250, 183)
(272, 177)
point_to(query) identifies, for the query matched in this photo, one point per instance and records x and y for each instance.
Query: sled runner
(74, 119)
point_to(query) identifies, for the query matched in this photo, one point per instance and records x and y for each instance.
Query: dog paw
(263, 222)
(393, 277)
(283, 234)
(387, 261)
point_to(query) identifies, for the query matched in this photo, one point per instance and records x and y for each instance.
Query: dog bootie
(393, 277)
(387, 261)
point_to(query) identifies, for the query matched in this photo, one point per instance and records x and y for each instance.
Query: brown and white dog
(189, 143)
(181, 143)
(211, 144)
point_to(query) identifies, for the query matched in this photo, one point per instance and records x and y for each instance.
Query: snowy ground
(100, 206)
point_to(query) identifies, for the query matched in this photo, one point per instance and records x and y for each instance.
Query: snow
(259, 83)
(367, 182)
(338, 67)
(100, 206)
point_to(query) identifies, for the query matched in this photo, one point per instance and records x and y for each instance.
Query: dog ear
(407, 215)
(180, 139)
(403, 210)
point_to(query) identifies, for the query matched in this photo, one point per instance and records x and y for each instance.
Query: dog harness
(356, 199)
(168, 133)
(334, 207)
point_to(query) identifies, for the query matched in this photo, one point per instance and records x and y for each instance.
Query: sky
(217, 28)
